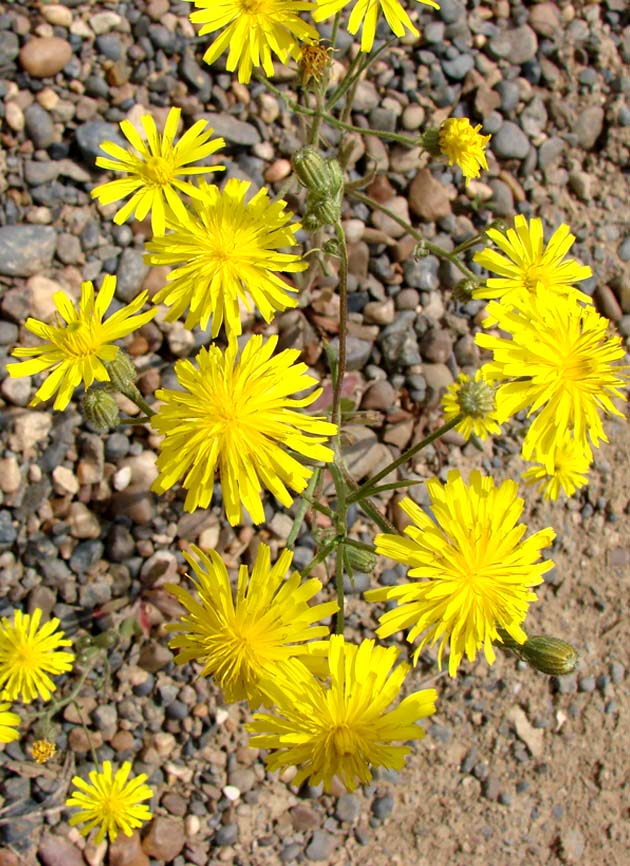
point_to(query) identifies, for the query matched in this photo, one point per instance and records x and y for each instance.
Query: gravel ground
(516, 768)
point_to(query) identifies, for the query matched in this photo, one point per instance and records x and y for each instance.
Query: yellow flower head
(475, 400)
(156, 169)
(461, 143)
(110, 801)
(565, 468)
(78, 345)
(43, 751)
(366, 13)
(558, 363)
(473, 572)
(239, 638)
(28, 654)
(529, 266)
(254, 30)
(343, 727)
(9, 722)
(237, 415)
(228, 251)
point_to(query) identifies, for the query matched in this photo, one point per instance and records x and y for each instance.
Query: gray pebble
(290, 852)
(321, 846)
(177, 710)
(120, 543)
(382, 807)
(624, 250)
(36, 173)
(357, 352)
(110, 46)
(450, 11)
(9, 47)
(92, 134)
(8, 333)
(586, 684)
(39, 126)
(69, 249)
(588, 126)
(509, 93)
(26, 250)
(233, 130)
(348, 808)
(8, 532)
(458, 68)
(226, 835)
(510, 142)
(131, 273)
(617, 672)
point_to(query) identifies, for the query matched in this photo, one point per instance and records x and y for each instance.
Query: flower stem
(367, 489)
(133, 394)
(343, 324)
(303, 508)
(431, 248)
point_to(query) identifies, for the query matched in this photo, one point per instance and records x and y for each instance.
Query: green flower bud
(549, 655)
(122, 372)
(355, 559)
(464, 289)
(421, 250)
(325, 211)
(99, 408)
(311, 169)
(335, 175)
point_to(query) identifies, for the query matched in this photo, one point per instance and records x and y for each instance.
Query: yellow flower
(254, 29)
(473, 571)
(558, 363)
(528, 265)
(78, 345)
(475, 400)
(9, 723)
(565, 468)
(366, 12)
(461, 143)
(238, 637)
(237, 415)
(43, 750)
(344, 727)
(155, 169)
(28, 654)
(111, 802)
(228, 250)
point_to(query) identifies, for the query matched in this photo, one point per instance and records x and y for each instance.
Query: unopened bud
(99, 408)
(322, 211)
(464, 289)
(356, 559)
(421, 250)
(331, 247)
(310, 168)
(122, 373)
(549, 655)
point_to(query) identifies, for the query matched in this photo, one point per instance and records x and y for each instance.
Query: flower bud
(122, 372)
(356, 559)
(310, 168)
(99, 408)
(464, 289)
(549, 655)
(321, 211)
(476, 398)
(421, 250)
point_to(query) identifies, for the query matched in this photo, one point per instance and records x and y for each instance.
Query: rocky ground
(516, 768)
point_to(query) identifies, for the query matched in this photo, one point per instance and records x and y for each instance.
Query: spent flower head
(227, 252)
(9, 723)
(28, 654)
(240, 637)
(462, 144)
(558, 362)
(237, 414)
(365, 13)
(80, 344)
(156, 169)
(254, 30)
(473, 572)
(315, 58)
(346, 725)
(111, 802)
(43, 751)
(529, 265)
(475, 400)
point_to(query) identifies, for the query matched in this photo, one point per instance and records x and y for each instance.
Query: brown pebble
(57, 851)
(165, 839)
(280, 169)
(122, 741)
(44, 56)
(126, 851)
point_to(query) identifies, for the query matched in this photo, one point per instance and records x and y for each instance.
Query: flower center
(251, 7)
(343, 739)
(80, 339)
(533, 276)
(159, 170)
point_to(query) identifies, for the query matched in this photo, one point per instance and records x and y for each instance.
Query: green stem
(340, 593)
(374, 514)
(60, 704)
(139, 420)
(335, 30)
(352, 77)
(377, 133)
(302, 508)
(321, 554)
(431, 248)
(133, 394)
(343, 324)
(87, 734)
(367, 489)
(392, 485)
